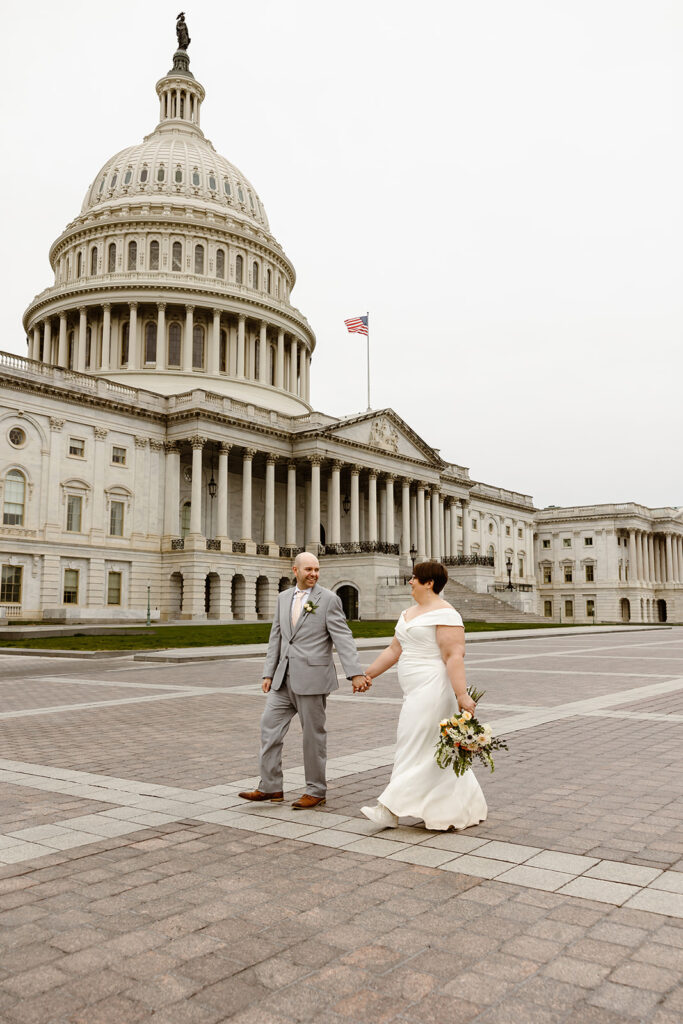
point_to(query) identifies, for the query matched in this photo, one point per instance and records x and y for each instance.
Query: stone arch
(284, 583)
(625, 609)
(661, 610)
(175, 594)
(212, 595)
(22, 420)
(265, 598)
(238, 600)
(349, 596)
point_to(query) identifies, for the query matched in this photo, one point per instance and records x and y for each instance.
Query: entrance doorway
(348, 595)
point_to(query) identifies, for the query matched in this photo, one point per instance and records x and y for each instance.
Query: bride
(429, 646)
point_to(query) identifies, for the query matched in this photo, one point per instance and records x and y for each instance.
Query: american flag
(357, 325)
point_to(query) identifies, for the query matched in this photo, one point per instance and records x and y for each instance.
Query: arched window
(79, 264)
(197, 347)
(212, 183)
(177, 256)
(223, 352)
(114, 179)
(269, 281)
(273, 358)
(226, 187)
(125, 334)
(154, 255)
(70, 351)
(128, 177)
(144, 174)
(185, 518)
(88, 346)
(161, 173)
(220, 262)
(240, 193)
(199, 259)
(196, 180)
(111, 258)
(238, 269)
(132, 255)
(93, 260)
(254, 274)
(150, 342)
(174, 335)
(179, 175)
(15, 498)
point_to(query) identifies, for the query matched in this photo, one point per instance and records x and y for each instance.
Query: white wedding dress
(418, 788)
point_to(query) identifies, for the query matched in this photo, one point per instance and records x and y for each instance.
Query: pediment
(384, 431)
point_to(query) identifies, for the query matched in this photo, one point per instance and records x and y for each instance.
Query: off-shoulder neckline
(408, 622)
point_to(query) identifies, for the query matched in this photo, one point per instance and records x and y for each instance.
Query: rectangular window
(116, 519)
(588, 541)
(459, 519)
(114, 588)
(507, 531)
(548, 609)
(71, 586)
(590, 608)
(590, 574)
(118, 456)
(474, 524)
(547, 574)
(569, 609)
(10, 584)
(545, 543)
(568, 574)
(566, 542)
(519, 533)
(520, 567)
(74, 507)
(77, 447)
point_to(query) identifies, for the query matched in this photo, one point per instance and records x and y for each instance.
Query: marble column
(197, 443)
(133, 346)
(162, 347)
(305, 367)
(413, 521)
(649, 558)
(241, 345)
(293, 354)
(82, 336)
(222, 508)
(187, 339)
(405, 518)
(269, 518)
(389, 489)
(247, 464)
(62, 354)
(172, 491)
(442, 526)
(372, 507)
(436, 526)
(47, 342)
(632, 557)
(639, 556)
(428, 523)
(466, 528)
(382, 515)
(669, 558)
(454, 528)
(335, 504)
(421, 529)
(263, 353)
(35, 350)
(106, 337)
(290, 526)
(313, 542)
(355, 507)
(280, 361)
(214, 345)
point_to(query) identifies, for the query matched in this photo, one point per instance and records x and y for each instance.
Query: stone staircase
(484, 607)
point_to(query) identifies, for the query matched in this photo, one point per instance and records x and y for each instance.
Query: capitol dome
(169, 279)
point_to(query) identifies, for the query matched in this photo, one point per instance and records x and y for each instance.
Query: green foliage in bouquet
(463, 737)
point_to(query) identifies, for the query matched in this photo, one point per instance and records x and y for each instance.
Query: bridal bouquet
(463, 738)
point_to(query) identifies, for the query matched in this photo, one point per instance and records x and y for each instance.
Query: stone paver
(136, 886)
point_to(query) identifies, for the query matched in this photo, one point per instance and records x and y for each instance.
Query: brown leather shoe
(257, 794)
(306, 802)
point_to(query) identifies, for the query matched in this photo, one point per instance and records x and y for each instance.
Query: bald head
(306, 568)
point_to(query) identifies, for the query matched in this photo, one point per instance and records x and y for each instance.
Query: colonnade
(655, 557)
(163, 336)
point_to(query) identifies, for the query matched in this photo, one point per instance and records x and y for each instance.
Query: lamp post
(346, 504)
(149, 614)
(508, 566)
(413, 554)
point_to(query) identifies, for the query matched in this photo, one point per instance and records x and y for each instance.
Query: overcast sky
(498, 183)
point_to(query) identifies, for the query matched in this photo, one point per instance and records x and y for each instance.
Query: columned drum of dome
(169, 279)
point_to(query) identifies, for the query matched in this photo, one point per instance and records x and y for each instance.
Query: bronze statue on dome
(181, 31)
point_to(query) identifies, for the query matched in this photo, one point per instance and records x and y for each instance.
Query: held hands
(266, 685)
(361, 683)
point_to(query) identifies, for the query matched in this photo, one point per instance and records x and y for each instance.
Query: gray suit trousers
(281, 706)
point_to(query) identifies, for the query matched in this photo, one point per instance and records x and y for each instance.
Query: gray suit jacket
(306, 651)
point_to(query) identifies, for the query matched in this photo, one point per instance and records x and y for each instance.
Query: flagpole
(368, 338)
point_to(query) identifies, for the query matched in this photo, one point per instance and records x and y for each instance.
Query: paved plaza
(136, 886)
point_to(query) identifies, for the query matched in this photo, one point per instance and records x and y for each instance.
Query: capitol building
(157, 442)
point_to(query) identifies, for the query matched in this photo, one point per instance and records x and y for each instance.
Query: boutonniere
(311, 607)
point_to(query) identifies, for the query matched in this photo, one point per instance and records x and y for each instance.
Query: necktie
(296, 606)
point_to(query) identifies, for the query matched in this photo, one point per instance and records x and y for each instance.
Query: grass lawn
(215, 636)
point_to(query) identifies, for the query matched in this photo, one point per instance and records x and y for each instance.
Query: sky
(498, 184)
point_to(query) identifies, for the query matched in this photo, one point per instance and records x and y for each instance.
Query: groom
(299, 673)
